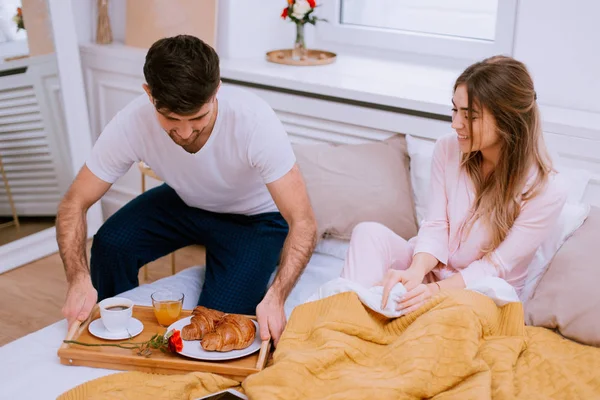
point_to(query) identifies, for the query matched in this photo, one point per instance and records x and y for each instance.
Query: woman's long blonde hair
(502, 86)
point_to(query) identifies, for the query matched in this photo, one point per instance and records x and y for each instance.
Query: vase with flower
(18, 19)
(300, 12)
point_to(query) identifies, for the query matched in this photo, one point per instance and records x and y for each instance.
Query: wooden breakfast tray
(158, 362)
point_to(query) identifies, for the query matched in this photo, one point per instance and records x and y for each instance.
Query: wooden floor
(31, 297)
(28, 226)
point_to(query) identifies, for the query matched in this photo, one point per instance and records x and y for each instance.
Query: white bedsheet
(30, 368)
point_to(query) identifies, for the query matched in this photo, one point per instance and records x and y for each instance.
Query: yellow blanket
(144, 386)
(460, 345)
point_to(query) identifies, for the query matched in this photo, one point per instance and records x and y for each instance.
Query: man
(231, 184)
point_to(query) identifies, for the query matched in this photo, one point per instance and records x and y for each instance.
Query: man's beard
(188, 143)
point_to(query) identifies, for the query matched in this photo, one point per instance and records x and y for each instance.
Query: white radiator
(32, 138)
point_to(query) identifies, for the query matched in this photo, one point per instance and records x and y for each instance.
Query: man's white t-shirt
(247, 149)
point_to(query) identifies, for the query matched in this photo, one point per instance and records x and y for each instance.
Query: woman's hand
(415, 298)
(409, 278)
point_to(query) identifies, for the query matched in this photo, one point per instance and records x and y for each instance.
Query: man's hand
(410, 278)
(415, 298)
(271, 317)
(81, 298)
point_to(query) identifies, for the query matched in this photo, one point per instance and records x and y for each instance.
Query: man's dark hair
(182, 73)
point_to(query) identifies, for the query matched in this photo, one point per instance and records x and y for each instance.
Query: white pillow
(573, 214)
(420, 152)
(333, 247)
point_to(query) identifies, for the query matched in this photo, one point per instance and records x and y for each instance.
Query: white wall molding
(326, 111)
(98, 82)
(112, 82)
(28, 249)
(105, 85)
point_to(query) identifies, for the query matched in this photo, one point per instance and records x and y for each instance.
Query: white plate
(98, 329)
(193, 349)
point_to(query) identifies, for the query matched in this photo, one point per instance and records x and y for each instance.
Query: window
(470, 29)
(474, 19)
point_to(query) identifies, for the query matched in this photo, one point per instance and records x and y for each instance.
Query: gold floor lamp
(15, 220)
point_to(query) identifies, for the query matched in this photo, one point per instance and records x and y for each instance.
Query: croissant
(203, 321)
(233, 332)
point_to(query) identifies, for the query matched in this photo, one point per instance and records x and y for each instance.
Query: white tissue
(370, 297)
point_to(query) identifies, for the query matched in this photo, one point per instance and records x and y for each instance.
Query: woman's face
(484, 136)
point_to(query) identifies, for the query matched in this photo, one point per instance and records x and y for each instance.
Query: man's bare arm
(289, 194)
(71, 234)
(71, 224)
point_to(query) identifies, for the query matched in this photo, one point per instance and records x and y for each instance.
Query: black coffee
(117, 308)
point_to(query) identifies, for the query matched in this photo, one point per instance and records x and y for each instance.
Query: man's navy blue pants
(241, 251)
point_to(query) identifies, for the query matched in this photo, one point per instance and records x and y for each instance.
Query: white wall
(555, 38)
(560, 55)
(558, 40)
(245, 28)
(86, 14)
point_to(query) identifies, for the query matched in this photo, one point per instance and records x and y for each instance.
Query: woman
(493, 195)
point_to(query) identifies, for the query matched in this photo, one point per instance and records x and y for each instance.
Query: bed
(30, 368)
(559, 282)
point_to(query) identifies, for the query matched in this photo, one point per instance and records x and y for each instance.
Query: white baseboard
(28, 249)
(35, 246)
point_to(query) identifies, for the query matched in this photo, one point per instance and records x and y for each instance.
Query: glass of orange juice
(167, 306)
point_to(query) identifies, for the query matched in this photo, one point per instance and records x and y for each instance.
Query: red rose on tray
(175, 342)
(169, 342)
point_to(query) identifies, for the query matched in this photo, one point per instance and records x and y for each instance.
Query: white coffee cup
(116, 319)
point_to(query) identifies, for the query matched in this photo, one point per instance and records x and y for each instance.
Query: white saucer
(98, 329)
